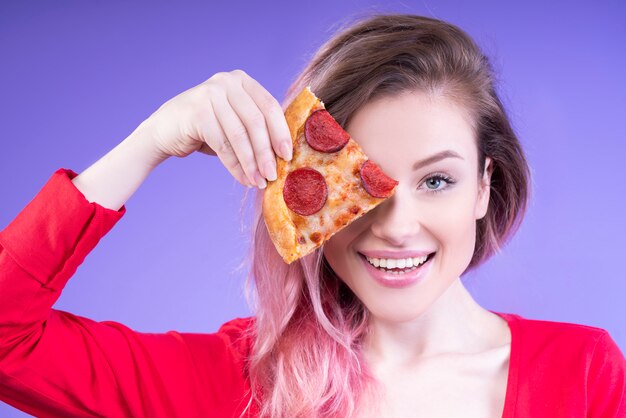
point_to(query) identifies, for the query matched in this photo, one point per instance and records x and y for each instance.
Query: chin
(393, 314)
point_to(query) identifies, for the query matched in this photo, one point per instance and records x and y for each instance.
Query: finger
(274, 116)
(205, 149)
(217, 144)
(237, 137)
(234, 168)
(256, 126)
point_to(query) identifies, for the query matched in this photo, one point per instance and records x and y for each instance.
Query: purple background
(78, 77)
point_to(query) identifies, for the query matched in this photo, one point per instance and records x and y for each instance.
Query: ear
(484, 187)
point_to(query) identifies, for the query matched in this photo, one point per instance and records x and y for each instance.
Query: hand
(229, 115)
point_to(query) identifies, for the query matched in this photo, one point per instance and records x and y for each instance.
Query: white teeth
(400, 272)
(401, 263)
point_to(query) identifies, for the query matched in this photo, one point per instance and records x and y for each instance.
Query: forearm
(39, 251)
(113, 179)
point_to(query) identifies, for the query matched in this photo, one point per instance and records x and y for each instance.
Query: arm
(606, 380)
(111, 180)
(39, 251)
(53, 363)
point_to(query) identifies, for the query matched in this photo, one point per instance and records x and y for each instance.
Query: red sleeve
(53, 363)
(606, 382)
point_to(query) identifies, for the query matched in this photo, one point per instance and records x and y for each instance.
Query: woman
(331, 335)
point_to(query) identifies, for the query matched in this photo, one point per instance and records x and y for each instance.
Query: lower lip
(398, 280)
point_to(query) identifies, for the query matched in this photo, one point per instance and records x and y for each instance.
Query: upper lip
(394, 254)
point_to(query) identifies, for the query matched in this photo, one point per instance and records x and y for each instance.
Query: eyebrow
(436, 157)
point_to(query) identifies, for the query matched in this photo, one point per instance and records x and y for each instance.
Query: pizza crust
(293, 235)
(278, 220)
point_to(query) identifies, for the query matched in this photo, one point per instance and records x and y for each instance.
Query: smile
(398, 272)
(399, 265)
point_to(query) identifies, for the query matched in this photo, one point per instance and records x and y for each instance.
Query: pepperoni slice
(323, 133)
(375, 182)
(305, 191)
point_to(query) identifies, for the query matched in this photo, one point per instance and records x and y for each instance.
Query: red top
(53, 363)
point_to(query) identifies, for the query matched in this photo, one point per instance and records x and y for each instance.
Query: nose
(397, 220)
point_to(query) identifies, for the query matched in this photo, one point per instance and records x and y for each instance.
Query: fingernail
(270, 170)
(260, 181)
(285, 150)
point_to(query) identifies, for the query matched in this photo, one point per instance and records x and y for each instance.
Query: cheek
(452, 221)
(341, 243)
(336, 248)
(332, 253)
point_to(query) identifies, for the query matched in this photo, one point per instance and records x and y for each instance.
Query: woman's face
(427, 214)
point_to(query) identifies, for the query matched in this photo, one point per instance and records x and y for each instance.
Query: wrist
(143, 146)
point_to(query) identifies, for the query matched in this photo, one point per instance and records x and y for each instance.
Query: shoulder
(546, 332)
(237, 325)
(233, 338)
(585, 355)
(563, 344)
(238, 330)
(586, 341)
(563, 359)
(238, 334)
(568, 344)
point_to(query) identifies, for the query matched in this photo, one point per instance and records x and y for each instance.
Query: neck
(455, 323)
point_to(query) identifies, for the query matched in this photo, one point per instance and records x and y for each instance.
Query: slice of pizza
(328, 183)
